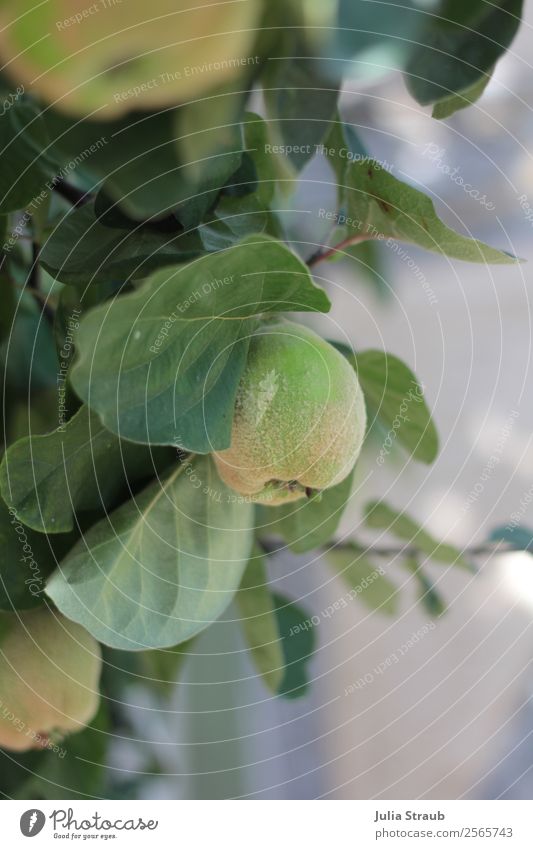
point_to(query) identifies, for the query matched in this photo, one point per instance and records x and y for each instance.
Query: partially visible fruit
(49, 672)
(114, 56)
(299, 418)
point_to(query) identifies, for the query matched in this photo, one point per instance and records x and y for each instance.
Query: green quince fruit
(299, 419)
(49, 672)
(108, 57)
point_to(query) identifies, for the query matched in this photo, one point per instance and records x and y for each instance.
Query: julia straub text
(389, 816)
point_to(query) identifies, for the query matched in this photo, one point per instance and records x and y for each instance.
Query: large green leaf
(383, 517)
(162, 365)
(367, 581)
(82, 250)
(382, 206)
(26, 165)
(80, 466)
(393, 393)
(309, 524)
(259, 623)
(459, 45)
(162, 567)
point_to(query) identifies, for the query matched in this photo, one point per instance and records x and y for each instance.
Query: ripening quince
(112, 56)
(299, 419)
(49, 671)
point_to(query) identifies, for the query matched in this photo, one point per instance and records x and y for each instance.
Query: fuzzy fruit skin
(49, 672)
(128, 55)
(299, 417)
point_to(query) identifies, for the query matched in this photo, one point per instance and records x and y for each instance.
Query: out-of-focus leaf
(458, 46)
(260, 624)
(383, 517)
(367, 581)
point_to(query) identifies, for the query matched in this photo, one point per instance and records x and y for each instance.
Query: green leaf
(80, 466)
(162, 567)
(208, 134)
(26, 164)
(383, 207)
(82, 250)
(163, 364)
(393, 393)
(256, 141)
(160, 668)
(234, 218)
(301, 103)
(459, 45)
(430, 598)
(383, 517)
(137, 161)
(367, 581)
(28, 354)
(446, 107)
(306, 525)
(259, 623)
(298, 642)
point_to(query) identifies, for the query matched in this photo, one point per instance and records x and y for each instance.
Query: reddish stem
(320, 255)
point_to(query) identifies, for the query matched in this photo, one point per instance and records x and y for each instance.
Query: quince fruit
(49, 671)
(299, 419)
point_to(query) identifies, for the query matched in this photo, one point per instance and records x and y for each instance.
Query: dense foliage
(148, 151)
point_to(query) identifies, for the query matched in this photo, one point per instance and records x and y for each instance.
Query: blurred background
(453, 716)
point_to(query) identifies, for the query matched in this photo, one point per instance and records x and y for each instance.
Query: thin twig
(321, 254)
(496, 547)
